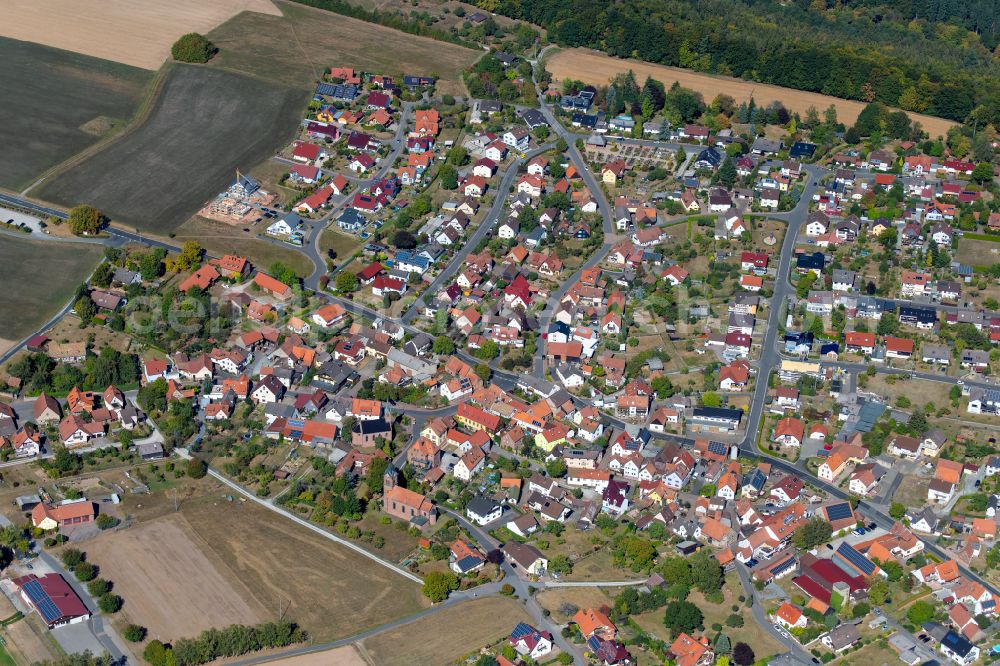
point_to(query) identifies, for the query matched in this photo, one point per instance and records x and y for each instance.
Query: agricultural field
(37, 132)
(47, 273)
(232, 561)
(447, 635)
(330, 591)
(205, 124)
(219, 238)
(342, 656)
(597, 68)
(134, 33)
(259, 45)
(159, 567)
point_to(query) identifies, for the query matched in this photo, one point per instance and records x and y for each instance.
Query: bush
(98, 587)
(134, 633)
(72, 557)
(85, 571)
(110, 603)
(192, 47)
(507, 589)
(155, 653)
(104, 521)
(197, 468)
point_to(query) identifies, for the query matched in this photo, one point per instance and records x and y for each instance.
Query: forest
(927, 56)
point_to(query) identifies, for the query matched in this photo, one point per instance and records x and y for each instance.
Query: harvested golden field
(598, 69)
(134, 33)
(329, 590)
(448, 635)
(227, 562)
(343, 656)
(298, 46)
(160, 567)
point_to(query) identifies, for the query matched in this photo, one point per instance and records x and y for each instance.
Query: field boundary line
(315, 528)
(144, 109)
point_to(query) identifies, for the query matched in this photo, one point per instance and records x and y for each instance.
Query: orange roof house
(984, 527)
(789, 615)
(203, 278)
(426, 121)
(948, 471)
(231, 265)
(272, 286)
(689, 651)
(592, 621)
(48, 517)
(476, 418)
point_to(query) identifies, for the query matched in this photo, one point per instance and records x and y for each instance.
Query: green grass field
(56, 103)
(5, 658)
(41, 277)
(343, 244)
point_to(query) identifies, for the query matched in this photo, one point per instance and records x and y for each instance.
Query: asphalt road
(484, 229)
(311, 247)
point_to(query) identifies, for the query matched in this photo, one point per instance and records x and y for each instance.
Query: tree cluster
(233, 641)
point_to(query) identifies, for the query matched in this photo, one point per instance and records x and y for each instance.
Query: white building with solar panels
(53, 598)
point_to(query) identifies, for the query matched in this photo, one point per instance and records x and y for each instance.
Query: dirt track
(137, 33)
(598, 69)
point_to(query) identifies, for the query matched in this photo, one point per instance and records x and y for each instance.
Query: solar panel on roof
(757, 479)
(838, 511)
(862, 563)
(594, 643)
(40, 598)
(522, 629)
(718, 448)
(783, 566)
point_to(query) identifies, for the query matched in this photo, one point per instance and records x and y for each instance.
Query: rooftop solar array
(850, 554)
(40, 598)
(718, 448)
(783, 566)
(522, 629)
(839, 511)
(756, 479)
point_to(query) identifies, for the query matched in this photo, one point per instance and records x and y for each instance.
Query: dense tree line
(38, 372)
(232, 641)
(874, 55)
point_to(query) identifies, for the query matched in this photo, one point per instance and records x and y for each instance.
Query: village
(661, 382)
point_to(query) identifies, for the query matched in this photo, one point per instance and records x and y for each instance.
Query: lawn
(47, 274)
(205, 124)
(6, 659)
(38, 130)
(219, 238)
(296, 48)
(978, 249)
(553, 598)
(344, 245)
(448, 635)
